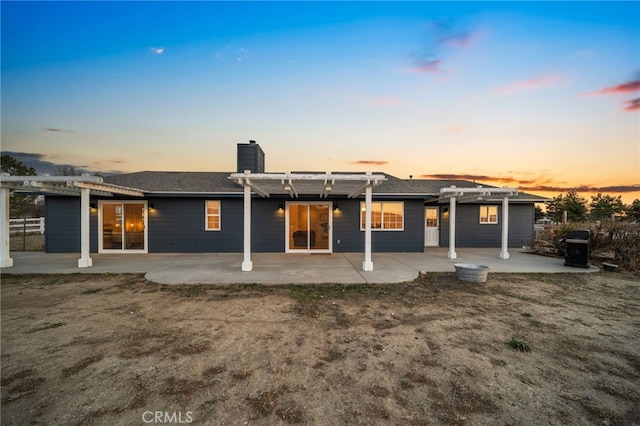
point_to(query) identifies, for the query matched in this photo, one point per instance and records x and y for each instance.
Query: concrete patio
(280, 268)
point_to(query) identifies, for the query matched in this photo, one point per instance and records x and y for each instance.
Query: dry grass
(428, 352)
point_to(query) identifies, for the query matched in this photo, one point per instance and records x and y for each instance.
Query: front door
(123, 226)
(308, 227)
(431, 227)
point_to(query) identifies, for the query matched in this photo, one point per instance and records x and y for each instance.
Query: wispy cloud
(369, 162)
(537, 82)
(632, 105)
(583, 188)
(483, 178)
(53, 129)
(540, 184)
(440, 37)
(427, 67)
(157, 50)
(628, 87)
(386, 101)
(621, 89)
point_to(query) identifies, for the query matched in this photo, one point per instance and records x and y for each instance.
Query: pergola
(295, 184)
(82, 186)
(462, 195)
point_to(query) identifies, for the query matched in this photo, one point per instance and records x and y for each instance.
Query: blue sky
(543, 96)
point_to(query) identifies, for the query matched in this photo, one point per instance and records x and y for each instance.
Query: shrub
(608, 239)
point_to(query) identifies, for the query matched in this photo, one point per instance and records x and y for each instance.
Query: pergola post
(367, 265)
(451, 254)
(247, 264)
(85, 260)
(5, 254)
(504, 253)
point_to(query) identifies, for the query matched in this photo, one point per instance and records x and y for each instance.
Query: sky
(541, 96)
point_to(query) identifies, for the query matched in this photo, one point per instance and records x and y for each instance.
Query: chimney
(250, 157)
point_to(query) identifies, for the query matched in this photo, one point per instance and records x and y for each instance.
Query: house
(252, 210)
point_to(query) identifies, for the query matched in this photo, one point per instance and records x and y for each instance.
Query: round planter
(471, 272)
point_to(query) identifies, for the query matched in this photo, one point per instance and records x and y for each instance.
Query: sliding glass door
(123, 226)
(308, 227)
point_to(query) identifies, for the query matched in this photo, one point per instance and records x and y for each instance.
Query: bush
(610, 239)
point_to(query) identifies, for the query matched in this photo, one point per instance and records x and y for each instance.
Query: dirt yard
(520, 349)
(29, 242)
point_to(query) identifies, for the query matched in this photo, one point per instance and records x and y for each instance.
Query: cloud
(628, 87)
(386, 101)
(445, 34)
(427, 67)
(484, 178)
(538, 82)
(370, 162)
(439, 39)
(623, 88)
(538, 184)
(53, 129)
(632, 105)
(157, 50)
(583, 188)
(42, 164)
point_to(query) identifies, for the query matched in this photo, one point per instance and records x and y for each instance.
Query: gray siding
(346, 229)
(470, 233)
(177, 225)
(267, 225)
(62, 218)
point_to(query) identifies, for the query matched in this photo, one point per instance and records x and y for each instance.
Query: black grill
(576, 252)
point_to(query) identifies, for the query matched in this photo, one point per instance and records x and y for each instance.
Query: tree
(633, 210)
(555, 207)
(605, 206)
(14, 167)
(538, 213)
(576, 207)
(572, 203)
(20, 205)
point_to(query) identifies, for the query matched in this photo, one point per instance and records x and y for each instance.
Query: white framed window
(212, 215)
(488, 215)
(385, 215)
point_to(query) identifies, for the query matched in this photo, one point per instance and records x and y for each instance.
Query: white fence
(27, 225)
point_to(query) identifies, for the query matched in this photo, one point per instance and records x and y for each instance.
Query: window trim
(488, 208)
(382, 228)
(207, 215)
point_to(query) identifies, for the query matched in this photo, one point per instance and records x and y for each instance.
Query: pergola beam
(294, 184)
(455, 195)
(83, 186)
(108, 189)
(290, 188)
(328, 185)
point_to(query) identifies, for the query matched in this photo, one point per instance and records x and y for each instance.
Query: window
(212, 215)
(488, 214)
(384, 216)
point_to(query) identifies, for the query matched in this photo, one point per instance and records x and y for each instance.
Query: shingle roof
(394, 185)
(218, 182)
(183, 182)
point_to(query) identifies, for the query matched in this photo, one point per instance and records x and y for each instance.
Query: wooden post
(5, 256)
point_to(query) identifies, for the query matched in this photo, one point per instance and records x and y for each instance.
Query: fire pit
(471, 272)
